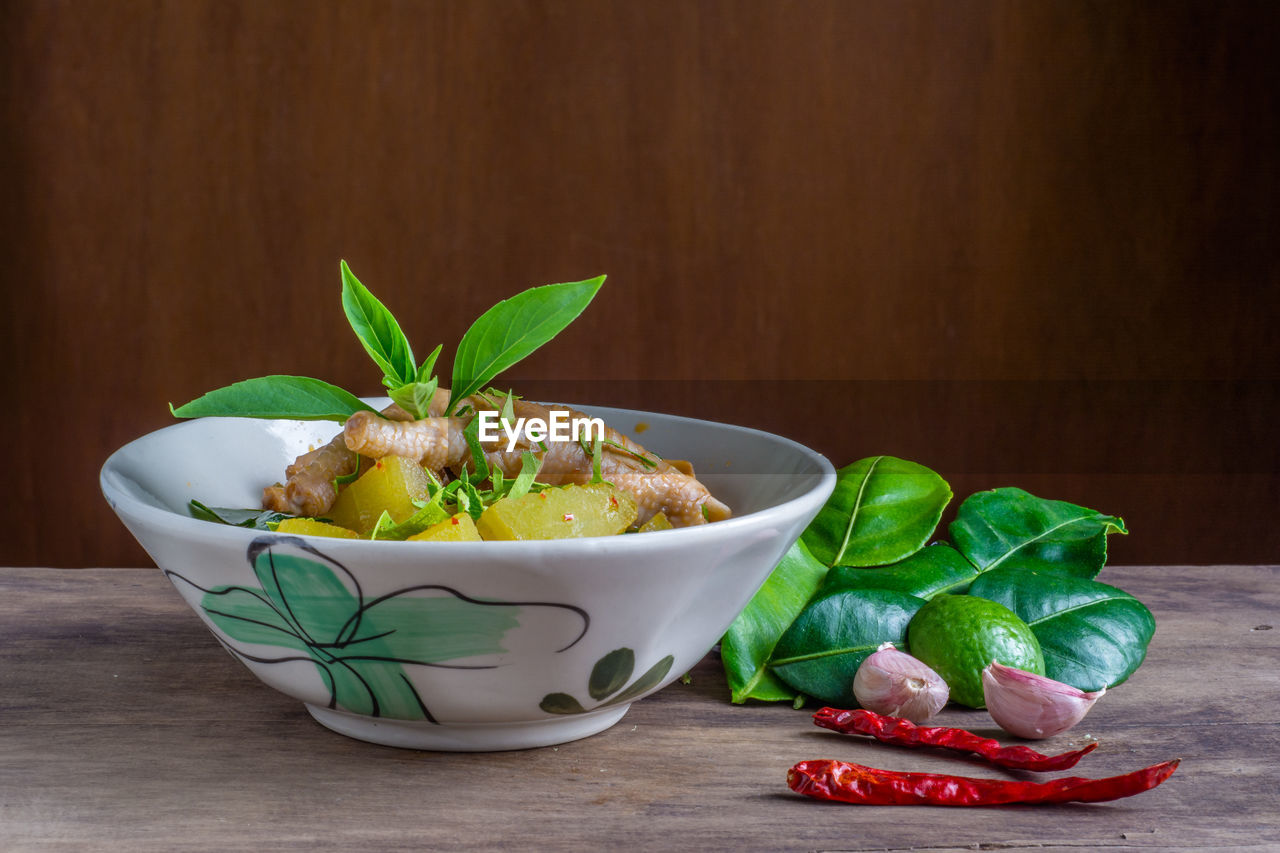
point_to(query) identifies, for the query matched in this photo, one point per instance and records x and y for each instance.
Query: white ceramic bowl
(462, 645)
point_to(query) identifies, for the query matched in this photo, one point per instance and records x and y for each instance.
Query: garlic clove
(1033, 706)
(894, 683)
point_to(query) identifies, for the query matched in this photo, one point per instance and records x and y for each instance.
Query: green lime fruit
(958, 635)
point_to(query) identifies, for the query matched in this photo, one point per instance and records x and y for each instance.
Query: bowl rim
(188, 526)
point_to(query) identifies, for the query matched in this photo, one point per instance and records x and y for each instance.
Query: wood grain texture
(128, 727)
(913, 201)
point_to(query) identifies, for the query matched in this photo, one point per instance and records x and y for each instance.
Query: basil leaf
(821, 652)
(348, 479)
(513, 329)
(428, 367)
(883, 509)
(293, 397)
(377, 330)
(469, 499)
(750, 640)
(431, 512)
(1092, 635)
(471, 433)
(928, 572)
(415, 398)
(256, 519)
(529, 467)
(1012, 527)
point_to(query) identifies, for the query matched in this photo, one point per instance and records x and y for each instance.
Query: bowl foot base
(467, 737)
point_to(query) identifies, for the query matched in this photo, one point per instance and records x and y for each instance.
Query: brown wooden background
(1024, 243)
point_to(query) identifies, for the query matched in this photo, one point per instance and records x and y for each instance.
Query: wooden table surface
(125, 726)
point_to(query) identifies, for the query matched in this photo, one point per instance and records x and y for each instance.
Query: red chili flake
(568, 516)
(455, 520)
(854, 783)
(900, 732)
(613, 502)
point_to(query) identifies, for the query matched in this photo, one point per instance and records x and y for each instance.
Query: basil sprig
(497, 340)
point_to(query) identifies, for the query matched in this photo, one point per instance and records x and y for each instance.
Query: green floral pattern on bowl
(313, 606)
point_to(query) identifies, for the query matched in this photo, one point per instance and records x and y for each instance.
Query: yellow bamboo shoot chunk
(658, 521)
(597, 509)
(391, 486)
(311, 527)
(459, 528)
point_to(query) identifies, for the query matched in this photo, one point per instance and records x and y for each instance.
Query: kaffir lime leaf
(958, 635)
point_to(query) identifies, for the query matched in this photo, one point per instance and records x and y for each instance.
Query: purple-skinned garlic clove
(1033, 706)
(894, 683)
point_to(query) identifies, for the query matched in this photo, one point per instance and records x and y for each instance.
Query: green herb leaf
(377, 329)
(1092, 635)
(508, 414)
(747, 645)
(1012, 527)
(597, 451)
(292, 397)
(530, 465)
(514, 328)
(883, 509)
(622, 448)
(431, 512)
(256, 519)
(415, 398)
(471, 432)
(347, 479)
(382, 526)
(427, 369)
(470, 500)
(821, 652)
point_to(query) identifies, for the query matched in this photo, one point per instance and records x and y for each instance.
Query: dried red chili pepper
(896, 730)
(853, 783)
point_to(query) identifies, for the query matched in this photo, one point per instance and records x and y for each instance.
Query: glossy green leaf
(611, 673)
(1092, 635)
(377, 329)
(294, 397)
(883, 509)
(928, 572)
(750, 640)
(514, 328)
(821, 652)
(1012, 527)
